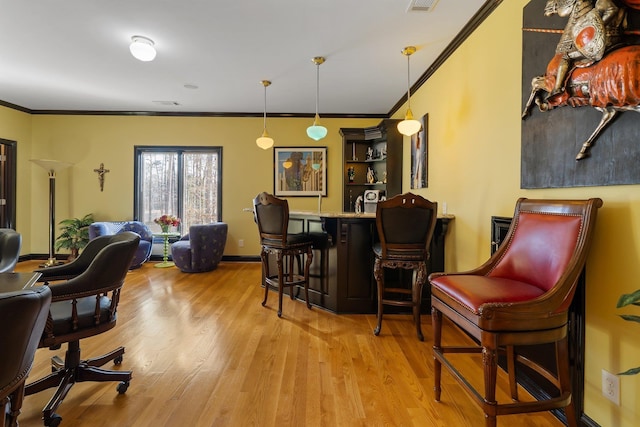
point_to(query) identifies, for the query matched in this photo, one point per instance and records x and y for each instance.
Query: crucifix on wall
(101, 171)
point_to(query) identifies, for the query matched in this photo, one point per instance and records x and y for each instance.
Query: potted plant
(630, 299)
(75, 235)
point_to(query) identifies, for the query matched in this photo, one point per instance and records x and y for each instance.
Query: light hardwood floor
(204, 352)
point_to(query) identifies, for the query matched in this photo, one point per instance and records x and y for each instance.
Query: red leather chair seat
(474, 291)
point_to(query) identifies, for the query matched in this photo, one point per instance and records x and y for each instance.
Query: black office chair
(23, 315)
(272, 216)
(405, 224)
(10, 244)
(84, 306)
(78, 265)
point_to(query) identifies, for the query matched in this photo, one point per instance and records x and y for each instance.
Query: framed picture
(300, 171)
(420, 155)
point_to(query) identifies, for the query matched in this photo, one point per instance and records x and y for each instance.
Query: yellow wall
(87, 141)
(473, 103)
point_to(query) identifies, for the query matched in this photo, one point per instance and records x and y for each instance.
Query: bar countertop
(329, 214)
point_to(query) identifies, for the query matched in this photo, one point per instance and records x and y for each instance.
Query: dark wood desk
(10, 282)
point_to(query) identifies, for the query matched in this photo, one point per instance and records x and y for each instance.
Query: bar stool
(405, 226)
(321, 241)
(272, 217)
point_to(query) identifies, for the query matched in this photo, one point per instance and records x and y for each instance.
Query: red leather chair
(520, 296)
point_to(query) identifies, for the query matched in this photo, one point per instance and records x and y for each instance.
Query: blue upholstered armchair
(114, 227)
(200, 250)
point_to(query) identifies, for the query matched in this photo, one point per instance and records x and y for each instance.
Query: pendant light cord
(265, 108)
(317, 86)
(408, 82)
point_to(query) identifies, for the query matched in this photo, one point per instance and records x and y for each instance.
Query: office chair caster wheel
(117, 360)
(53, 421)
(122, 387)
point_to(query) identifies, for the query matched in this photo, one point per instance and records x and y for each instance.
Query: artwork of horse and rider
(581, 93)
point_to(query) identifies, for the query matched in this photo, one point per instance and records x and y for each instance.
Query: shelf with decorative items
(372, 159)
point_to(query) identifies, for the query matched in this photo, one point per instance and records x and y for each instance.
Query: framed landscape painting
(300, 171)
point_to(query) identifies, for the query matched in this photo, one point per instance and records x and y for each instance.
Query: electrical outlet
(611, 387)
(241, 243)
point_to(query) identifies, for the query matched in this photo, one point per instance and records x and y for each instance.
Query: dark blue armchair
(143, 253)
(201, 250)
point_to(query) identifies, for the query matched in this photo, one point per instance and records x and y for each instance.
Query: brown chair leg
(564, 379)
(265, 274)
(436, 322)
(417, 298)
(511, 370)
(15, 404)
(378, 273)
(281, 280)
(307, 265)
(490, 368)
(290, 272)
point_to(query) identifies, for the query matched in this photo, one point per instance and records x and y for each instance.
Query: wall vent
(422, 5)
(166, 103)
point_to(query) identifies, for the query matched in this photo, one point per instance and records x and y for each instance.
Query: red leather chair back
(540, 249)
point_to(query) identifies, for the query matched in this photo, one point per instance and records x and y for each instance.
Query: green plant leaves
(632, 371)
(630, 317)
(75, 233)
(623, 301)
(627, 299)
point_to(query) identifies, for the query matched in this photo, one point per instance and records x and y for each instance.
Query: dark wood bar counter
(342, 272)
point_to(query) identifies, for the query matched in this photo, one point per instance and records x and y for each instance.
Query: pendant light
(265, 141)
(409, 126)
(316, 131)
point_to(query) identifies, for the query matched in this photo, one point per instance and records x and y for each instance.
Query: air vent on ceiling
(421, 5)
(167, 103)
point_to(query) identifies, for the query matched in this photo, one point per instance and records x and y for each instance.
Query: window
(180, 181)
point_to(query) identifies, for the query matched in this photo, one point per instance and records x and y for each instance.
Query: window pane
(200, 188)
(158, 186)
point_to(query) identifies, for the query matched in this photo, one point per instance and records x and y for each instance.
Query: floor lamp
(51, 166)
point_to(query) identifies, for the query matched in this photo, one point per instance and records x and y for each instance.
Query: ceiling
(73, 55)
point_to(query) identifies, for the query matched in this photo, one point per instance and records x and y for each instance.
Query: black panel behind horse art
(586, 109)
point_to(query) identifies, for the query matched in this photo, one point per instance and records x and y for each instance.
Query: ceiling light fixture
(409, 125)
(265, 141)
(317, 131)
(142, 48)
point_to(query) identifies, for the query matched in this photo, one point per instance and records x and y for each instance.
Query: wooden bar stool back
(272, 217)
(405, 226)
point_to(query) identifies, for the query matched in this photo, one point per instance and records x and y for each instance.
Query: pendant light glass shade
(317, 131)
(142, 48)
(265, 141)
(409, 126)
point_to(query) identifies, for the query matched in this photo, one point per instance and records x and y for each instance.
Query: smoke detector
(422, 5)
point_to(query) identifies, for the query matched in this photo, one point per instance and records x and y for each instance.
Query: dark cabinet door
(356, 286)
